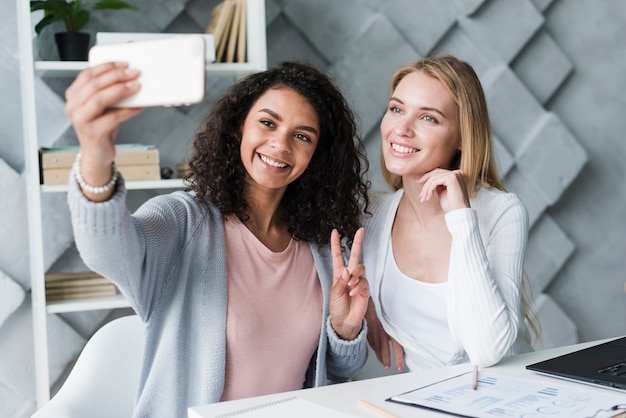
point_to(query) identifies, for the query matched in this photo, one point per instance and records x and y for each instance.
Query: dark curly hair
(331, 193)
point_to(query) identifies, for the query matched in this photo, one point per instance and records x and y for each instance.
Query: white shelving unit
(29, 70)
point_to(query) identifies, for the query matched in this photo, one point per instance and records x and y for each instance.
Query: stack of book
(79, 285)
(136, 162)
(227, 24)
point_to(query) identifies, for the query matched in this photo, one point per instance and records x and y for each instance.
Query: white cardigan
(485, 315)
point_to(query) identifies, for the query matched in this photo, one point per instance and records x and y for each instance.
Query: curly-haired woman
(240, 292)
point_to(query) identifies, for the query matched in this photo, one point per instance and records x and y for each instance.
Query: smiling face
(279, 137)
(420, 130)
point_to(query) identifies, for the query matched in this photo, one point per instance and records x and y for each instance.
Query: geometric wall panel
(458, 43)
(514, 110)
(547, 251)
(424, 29)
(13, 224)
(557, 329)
(291, 44)
(504, 159)
(518, 183)
(551, 158)
(517, 19)
(542, 5)
(11, 296)
(16, 374)
(542, 66)
(367, 90)
(342, 20)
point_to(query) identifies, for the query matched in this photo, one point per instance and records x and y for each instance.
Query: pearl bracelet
(95, 189)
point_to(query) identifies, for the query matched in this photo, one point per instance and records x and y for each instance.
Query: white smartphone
(172, 69)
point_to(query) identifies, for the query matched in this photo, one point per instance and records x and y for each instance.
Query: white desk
(343, 397)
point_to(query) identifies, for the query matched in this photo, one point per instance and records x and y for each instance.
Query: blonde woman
(444, 253)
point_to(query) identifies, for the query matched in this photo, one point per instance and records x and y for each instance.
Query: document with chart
(498, 395)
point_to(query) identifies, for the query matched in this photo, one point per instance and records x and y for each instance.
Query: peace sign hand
(350, 293)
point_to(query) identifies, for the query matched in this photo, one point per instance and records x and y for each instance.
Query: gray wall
(552, 72)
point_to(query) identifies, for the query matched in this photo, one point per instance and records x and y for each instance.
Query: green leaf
(78, 20)
(48, 6)
(113, 4)
(74, 13)
(46, 21)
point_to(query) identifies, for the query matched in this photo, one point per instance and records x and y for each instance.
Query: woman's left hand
(350, 291)
(450, 187)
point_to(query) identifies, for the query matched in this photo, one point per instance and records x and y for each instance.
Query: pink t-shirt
(274, 314)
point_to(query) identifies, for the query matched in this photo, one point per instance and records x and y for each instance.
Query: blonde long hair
(477, 159)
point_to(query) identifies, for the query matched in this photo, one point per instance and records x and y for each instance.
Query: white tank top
(417, 308)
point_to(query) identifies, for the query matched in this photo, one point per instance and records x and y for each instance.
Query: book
(77, 285)
(219, 25)
(67, 276)
(136, 162)
(182, 169)
(238, 21)
(99, 289)
(127, 154)
(74, 280)
(243, 33)
(110, 291)
(129, 172)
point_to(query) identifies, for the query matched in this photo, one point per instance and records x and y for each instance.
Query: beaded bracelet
(95, 189)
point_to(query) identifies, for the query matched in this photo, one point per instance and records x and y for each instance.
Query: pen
(475, 377)
(375, 408)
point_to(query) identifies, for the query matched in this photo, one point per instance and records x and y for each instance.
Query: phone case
(172, 70)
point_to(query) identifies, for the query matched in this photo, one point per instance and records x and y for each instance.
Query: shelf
(71, 68)
(87, 304)
(130, 185)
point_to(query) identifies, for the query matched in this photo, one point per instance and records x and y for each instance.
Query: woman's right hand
(88, 104)
(379, 340)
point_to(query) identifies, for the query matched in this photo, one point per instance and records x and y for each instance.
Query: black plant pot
(73, 46)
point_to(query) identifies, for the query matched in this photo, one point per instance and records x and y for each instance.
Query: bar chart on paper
(508, 396)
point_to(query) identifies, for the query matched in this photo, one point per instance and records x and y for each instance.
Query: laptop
(602, 365)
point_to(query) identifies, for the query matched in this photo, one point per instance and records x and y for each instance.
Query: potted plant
(73, 44)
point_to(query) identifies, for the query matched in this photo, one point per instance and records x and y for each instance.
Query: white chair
(103, 382)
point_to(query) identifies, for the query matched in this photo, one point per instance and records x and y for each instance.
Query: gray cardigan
(168, 260)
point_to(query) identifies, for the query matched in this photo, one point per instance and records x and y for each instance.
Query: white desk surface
(343, 397)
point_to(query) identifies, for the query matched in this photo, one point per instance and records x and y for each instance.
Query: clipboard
(512, 396)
